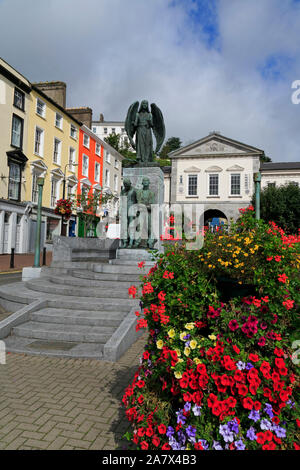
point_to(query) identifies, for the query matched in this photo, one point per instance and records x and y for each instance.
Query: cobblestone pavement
(21, 261)
(54, 403)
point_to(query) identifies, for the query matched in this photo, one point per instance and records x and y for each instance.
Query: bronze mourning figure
(140, 122)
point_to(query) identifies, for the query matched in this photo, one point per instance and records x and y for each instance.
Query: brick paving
(22, 261)
(64, 404)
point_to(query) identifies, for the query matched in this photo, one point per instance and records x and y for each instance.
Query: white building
(215, 171)
(105, 128)
(278, 174)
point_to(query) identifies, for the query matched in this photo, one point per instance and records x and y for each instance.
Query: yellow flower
(212, 337)
(197, 360)
(178, 352)
(193, 344)
(190, 326)
(180, 360)
(178, 375)
(171, 333)
(187, 351)
(159, 344)
(182, 335)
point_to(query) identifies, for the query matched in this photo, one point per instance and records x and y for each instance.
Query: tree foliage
(173, 143)
(282, 205)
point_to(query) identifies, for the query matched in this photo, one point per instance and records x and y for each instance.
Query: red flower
(162, 429)
(132, 291)
(248, 403)
(236, 349)
(257, 405)
(282, 278)
(149, 431)
(242, 389)
(166, 446)
(233, 325)
(141, 264)
(156, 441)
(144, 445)
(253, 357)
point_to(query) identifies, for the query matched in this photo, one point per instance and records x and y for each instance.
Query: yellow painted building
(52, 152)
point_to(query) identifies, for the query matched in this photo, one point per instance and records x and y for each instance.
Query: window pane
(14, 181)
(37, 143)
(213, 185)
(235, 184)
(192, 186)
(19, 99)
(16, 138)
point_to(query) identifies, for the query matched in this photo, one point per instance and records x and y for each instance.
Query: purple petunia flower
(269, 410)
(226, 433)
(265, 425)
(187, 406)
(204, 444)
(280, 432)
(240, 445)
(249, 366)
(180, 417)
(233, 426)
(196, 410)
(170, 431)
(241, 365)
(217, 446)
(254, 415)
(251, 434)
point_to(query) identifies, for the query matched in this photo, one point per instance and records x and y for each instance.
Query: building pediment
(57, 173)
(86, 182)
(39, 165)
(215, 145)
(235, 168)
(97, 186)
(192, 169)
(72, 179)
(213, 168)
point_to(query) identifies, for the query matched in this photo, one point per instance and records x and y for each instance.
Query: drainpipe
(40, 183)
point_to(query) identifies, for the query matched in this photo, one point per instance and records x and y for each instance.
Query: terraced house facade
(53, 136)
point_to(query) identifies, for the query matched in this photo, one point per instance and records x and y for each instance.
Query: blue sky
(224, 65)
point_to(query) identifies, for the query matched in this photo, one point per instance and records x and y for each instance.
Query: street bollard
(44, 256)
(12, 258)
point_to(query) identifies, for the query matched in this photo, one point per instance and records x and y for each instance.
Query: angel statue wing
(129, 122)
(159, 129)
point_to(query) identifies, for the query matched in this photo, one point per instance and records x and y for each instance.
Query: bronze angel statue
(140, 122)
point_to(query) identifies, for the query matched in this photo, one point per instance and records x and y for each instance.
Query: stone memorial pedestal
(156, 177)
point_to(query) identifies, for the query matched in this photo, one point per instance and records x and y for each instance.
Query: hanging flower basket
(64, 208)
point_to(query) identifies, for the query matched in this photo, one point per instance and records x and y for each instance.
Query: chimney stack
(101, 119)
(83, 114)
(55, 90)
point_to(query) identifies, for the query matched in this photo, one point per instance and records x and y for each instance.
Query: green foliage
(200, 344)
(114, 140)
(173, 143)
(282, 205)
(87, 206)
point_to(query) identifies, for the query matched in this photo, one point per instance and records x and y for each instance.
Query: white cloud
(113, 52)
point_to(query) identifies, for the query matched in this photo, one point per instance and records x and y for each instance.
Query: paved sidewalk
(54, 403)
(21, 261)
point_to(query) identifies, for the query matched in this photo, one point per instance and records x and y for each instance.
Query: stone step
(16, 295)
(63, 332)
(122, 262)
(78, 317)
(119, 269)
(83, 282)
(85, 274)
(17, 344)
(43, 285)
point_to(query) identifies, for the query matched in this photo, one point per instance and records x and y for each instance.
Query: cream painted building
(53, 136)
(216, 172)
(14, 106)
(280, 173)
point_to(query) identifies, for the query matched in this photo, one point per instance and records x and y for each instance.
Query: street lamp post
(40, 183)
(257, 180)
